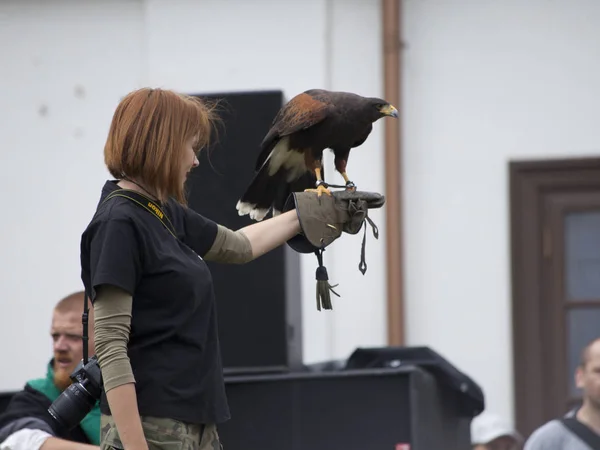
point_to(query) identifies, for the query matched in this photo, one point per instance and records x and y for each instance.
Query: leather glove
(323, 219)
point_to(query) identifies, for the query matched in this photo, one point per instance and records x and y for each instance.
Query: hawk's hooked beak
(389, 110)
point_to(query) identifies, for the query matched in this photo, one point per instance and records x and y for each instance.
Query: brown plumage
(292, 151)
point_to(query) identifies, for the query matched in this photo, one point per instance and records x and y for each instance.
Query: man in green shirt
(26, 423)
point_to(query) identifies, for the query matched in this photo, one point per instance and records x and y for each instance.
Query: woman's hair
(147, 136)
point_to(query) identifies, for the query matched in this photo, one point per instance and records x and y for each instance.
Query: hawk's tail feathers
(270, 192)
(260, 194)
(283, 172)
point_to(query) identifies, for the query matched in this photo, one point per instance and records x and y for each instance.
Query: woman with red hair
(143, 266)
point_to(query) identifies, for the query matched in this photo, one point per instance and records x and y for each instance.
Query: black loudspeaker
(395, 409)
(259, 307)
(469, 396)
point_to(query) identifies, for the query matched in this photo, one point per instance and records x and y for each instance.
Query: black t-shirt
(173, 345)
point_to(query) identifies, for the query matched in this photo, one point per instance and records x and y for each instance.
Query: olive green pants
(163, 434)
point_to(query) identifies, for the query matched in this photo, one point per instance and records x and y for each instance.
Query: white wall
(69, 63)
(484, 82)
(66, 66)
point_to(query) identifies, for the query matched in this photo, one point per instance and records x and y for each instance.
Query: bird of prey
(291, 153)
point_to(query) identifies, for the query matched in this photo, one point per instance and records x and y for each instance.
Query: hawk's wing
(301, 112)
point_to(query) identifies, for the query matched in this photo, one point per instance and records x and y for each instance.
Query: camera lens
(72, 406)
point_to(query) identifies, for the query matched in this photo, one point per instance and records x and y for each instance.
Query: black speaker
(259, 307)
(468, 395)
(396, 409)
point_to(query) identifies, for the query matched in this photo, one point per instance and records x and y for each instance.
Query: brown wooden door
(555, 251)
(571, 276)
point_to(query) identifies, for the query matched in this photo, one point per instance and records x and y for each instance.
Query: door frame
(530, 183)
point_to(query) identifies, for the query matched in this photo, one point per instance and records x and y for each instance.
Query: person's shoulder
(113, 210)
(36, 392)
(549, 428)
(116, 207)
(24, 401)
(198, 231)
(37, 384)
(182, 209)
(114, 220)
(549, 433)
(27, 409)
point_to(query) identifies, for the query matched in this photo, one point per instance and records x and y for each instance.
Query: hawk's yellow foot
(320, 190)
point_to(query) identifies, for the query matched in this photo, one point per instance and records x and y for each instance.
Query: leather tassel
(324, 289)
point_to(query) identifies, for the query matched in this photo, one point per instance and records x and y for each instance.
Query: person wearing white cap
(490, 432)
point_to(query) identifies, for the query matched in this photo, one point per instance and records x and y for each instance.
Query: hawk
(291, 156)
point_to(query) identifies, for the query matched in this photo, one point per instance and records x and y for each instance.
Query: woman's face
(189, 160)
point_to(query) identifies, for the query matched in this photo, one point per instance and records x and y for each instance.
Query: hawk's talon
(321, 188)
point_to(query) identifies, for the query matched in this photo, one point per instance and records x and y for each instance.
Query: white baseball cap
(488, 426)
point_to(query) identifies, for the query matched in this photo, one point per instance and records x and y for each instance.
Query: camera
(75, 402)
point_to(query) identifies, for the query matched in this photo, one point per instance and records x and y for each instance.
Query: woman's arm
(112, 319)
(37, 439)
(53, 443)
(268, 234)
(123, 406)
(248, 243)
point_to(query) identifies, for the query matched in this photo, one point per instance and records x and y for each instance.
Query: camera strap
(147, 203)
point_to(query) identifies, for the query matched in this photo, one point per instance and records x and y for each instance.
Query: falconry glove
(323, 219)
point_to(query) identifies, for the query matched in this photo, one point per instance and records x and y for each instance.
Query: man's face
(588, 377)
(66, 334)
